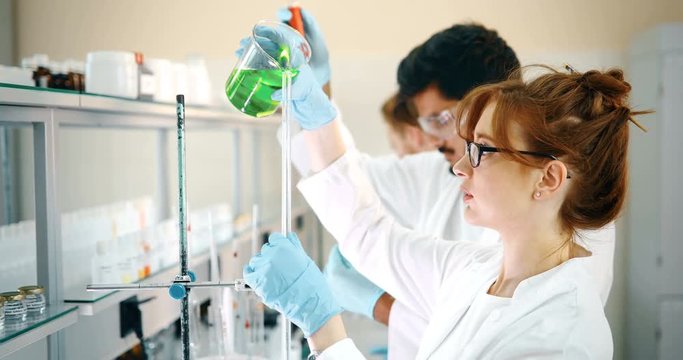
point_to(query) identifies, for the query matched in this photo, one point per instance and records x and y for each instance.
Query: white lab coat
(557, 313)
(421, 194)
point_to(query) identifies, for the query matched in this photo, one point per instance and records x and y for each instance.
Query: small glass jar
(2, 312)
(34, 298)
(15, 309)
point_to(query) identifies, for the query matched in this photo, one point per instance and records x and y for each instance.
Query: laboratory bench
(79, 324)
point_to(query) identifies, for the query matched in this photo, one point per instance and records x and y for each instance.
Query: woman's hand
(289, 281)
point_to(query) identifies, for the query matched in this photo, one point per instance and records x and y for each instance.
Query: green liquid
(250, 90)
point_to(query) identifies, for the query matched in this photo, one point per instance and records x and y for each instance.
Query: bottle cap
(12, 296)
(32, 290)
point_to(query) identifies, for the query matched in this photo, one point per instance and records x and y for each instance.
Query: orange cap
(297, 21)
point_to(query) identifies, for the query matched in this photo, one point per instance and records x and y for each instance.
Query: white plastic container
(75, 66)
(199, 83)
(164, 75)
(34, 61)
(113, 73)
(16, 76)
(181, 81)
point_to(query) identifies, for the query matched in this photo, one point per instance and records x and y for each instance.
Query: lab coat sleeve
(401, 183)
(405, 332)
(408, 265)
(341, 350)
(405, 184)
(300, 158)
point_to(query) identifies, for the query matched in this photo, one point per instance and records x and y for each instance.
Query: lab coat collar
(553, 285)
(530, 294)
(463, 289)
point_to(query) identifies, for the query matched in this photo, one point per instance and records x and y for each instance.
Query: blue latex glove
(274, 41)
(352, 290)
(289, 281)
(244, 42)
(320, 57)
(310, 105)
(382, 351)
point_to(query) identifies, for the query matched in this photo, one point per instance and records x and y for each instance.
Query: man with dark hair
(457, 60)
(439, 72)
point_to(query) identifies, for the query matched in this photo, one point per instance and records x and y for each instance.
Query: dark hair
(456, 60)
(580, 118)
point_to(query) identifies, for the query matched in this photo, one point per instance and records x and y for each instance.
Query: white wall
(172, 28)
(6, 32)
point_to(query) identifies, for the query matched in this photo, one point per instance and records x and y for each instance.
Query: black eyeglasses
(475, 151)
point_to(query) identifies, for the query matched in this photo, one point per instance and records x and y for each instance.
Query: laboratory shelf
(56, 317)
(34, 88)
(92, 302)
(32, 96)
(195, 114)
(84, 109)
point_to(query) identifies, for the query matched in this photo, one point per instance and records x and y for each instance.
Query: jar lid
(12, 296)
(32, 290)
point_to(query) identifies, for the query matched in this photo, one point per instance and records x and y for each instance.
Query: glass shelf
(35, 88)
(17, 335)
(105, 111)
(75, 92)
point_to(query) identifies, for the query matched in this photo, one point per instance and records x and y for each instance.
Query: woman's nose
(462, 168)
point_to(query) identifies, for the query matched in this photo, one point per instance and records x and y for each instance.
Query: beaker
(274, 48)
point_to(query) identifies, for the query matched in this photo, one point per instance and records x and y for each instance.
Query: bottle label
(15, 309)
(35, 302)
(108, 273)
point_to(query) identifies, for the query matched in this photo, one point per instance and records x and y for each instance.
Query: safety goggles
(441, 125)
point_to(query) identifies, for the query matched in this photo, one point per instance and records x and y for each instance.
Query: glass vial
(34, 298)
(15, 309)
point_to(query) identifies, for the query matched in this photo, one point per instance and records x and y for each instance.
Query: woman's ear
(553, 175)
